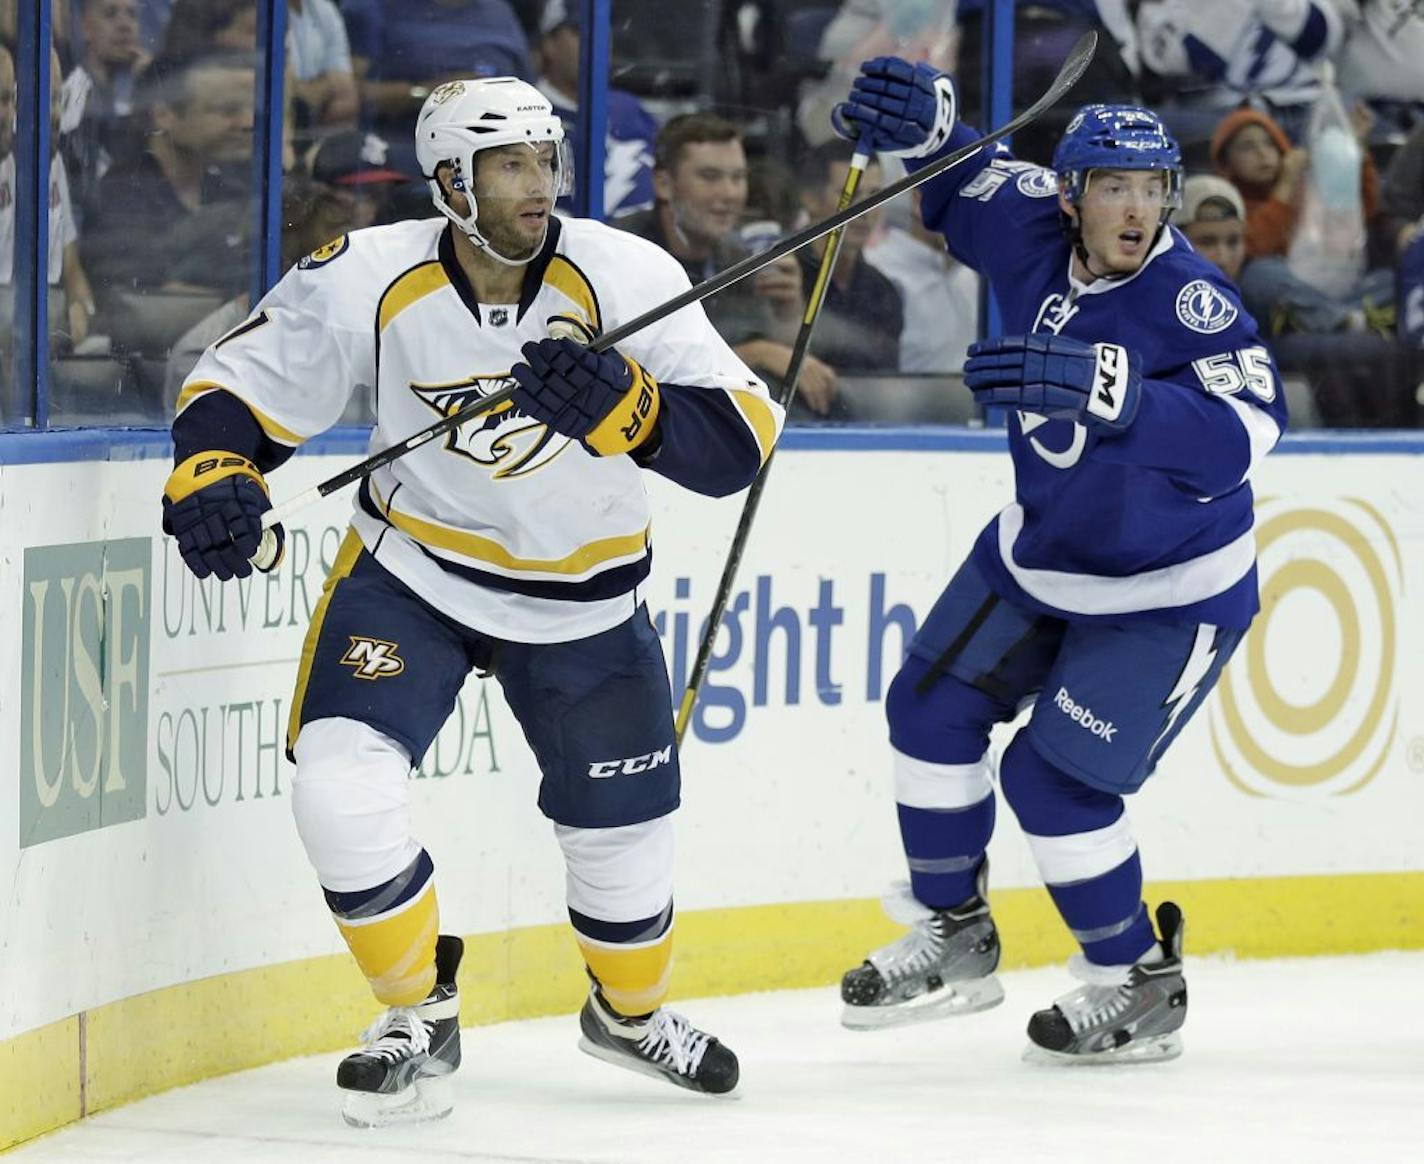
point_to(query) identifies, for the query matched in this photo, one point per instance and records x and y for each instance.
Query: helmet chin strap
(470, 230)
(1073, 228)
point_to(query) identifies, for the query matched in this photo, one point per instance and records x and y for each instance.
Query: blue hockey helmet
(1117, 137)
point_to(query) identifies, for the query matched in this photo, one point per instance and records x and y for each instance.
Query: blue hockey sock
(1085, 851)
(1107, 916)
(944, 790)
(944, 849)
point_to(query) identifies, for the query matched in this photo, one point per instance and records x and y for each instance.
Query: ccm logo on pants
(1083, 716)
(631, 766)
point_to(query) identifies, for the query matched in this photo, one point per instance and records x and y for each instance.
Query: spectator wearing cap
(356, 179)
(632, 130)
(1213, 217)
(319, 64)
(1355, 375)
(348, 188)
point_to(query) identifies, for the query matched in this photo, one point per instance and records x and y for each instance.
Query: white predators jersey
(503, 524)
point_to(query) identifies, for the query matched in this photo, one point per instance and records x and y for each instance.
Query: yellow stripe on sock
(396, 952)
(634, 979)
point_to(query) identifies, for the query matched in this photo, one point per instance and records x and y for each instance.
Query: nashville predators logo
(446, 92)
(324, 253)
(508, 441)
(373, 658)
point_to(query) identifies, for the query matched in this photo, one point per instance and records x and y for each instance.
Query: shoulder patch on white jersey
(325, 253)
(1205, 309)
(1038, 183)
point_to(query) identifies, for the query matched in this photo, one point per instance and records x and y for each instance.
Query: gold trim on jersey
(409, 288)
(277, 432)
(346, 557)
(563, 275)
(759, 417)
(482, 549)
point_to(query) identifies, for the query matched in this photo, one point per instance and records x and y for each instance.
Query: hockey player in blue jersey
(1108, 595)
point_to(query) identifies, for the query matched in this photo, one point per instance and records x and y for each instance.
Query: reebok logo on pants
(1083, 716)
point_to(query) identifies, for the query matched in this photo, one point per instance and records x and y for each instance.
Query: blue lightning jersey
(1154, 523)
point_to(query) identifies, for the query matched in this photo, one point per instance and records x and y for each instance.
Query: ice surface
(1287, 1061)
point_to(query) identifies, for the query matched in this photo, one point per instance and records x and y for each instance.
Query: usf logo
(373, 658)
(83, 688)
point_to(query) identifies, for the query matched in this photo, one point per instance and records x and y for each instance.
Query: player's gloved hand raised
(1099, 385)
(899, 108)
(605, 400)
(213, 504)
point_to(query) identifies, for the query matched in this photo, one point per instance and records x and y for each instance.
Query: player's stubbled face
(1119, 211)
(514, 187)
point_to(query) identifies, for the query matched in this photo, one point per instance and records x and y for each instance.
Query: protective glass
(517, 173)
(1151, 190)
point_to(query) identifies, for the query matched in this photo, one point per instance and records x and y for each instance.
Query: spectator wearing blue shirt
(402, 49)
(632, 130)
(319, 63)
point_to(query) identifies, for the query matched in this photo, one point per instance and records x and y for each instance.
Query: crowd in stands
(1302, 125)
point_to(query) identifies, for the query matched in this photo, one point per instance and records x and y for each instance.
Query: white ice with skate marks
(1302, 1060)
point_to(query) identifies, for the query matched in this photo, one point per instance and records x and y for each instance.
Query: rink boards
(163, 925)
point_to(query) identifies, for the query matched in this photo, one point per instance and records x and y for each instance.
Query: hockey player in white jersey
(518, 545)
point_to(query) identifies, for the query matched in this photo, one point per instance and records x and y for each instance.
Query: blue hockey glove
(213, 504)
(1098, 385)
(899, 108)
(605, 400)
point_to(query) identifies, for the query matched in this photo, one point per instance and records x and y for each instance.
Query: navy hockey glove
(213, 504)
(605, 400)
(899, 108)
(1098, 385)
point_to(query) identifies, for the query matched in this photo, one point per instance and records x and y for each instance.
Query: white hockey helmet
(460, 118)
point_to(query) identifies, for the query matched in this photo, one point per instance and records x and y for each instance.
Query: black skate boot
(1135, 1019)
(662, 1044)
(402, 1074)
(944, 966)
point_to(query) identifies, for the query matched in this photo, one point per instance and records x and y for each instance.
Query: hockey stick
(1067, 77)
(814, 301)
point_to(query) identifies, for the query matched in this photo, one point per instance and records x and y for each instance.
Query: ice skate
(944, 966)
(663, 1044)
(1133, 1020)
(403, 1072)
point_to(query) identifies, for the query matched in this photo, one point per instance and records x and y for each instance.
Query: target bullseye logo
(1308, 705)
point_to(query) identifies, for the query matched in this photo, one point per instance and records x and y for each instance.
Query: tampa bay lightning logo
(1204, 308)
(1038, 183)
(506, 440)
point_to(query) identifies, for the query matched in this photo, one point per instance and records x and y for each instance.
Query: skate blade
(429, 1098)
(1157, 1049)
(589, 1047)
(951, 1000)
